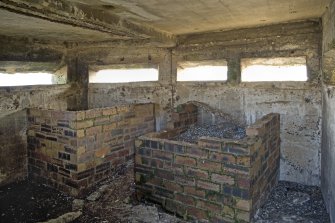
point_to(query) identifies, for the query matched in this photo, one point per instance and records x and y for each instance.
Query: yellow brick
(242, 215)
(81, 150)
(244, 205)
(80, 133)
(81, 167)
(228, 211)
(31, 133)
(84, 124)
(138, 143)
(80, 115)
(110, 111)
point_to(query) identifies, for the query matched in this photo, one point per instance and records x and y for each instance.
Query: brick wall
(183, 116)
(72, 150)
(216, 180)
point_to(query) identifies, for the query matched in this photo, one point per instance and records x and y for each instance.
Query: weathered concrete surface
(160, 93)
(298, 103)
(299, 106)
(328, 124)
(328, 150)
(191, 16)
(13, 123)
(81, 23)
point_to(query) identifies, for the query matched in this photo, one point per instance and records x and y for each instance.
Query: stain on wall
(13, 124)
(328, 124)
(299, 104)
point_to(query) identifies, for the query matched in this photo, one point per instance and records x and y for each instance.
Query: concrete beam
(86, 17)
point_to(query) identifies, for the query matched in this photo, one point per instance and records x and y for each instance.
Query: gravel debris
(292, 202)
(226, 130)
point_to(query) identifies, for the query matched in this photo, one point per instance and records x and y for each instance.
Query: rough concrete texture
(103, 20)
(13, 124)
(328, 152)
(328, 124)
(299, 104)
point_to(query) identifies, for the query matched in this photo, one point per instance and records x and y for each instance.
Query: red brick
(157, 163)
(197, 213)
(168, 175)
(244, 182)
(175, 168)
(208, 186)
(197, 173)
(216, 208)
(185, 181)
(124, 152)
(209, 165)
(222, 157)
(155, 181)
(185, 199)
(223, 179)
(195, 192)
(172, 186)
(183, 160)
(197, 152)
(162, 155)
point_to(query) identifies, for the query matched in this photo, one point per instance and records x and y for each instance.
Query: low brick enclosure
(215, 180)
(72, 150)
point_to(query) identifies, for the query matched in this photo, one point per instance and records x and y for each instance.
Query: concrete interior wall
(328, 125)
(13, 124)
(306, 108)
(26, 55)
(299, 104)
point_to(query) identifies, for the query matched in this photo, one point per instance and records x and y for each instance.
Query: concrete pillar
(77, 76)
(234, 70)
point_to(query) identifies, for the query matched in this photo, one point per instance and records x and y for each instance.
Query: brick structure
(215, 180)
(72, 150)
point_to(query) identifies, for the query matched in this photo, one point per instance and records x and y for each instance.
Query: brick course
(215, 179)
(72, 150)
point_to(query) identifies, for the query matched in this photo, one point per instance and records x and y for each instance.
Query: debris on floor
(31, 202)
(226, 130)
(293, 203)
(114, 200)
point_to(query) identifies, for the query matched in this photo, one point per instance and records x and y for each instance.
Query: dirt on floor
(30, 202)
(114, 200)
(293, 203)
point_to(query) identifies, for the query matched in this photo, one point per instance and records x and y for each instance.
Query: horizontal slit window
(18, 73)
(202, 71)
(124, 75)
(274, 69)
(22, 79)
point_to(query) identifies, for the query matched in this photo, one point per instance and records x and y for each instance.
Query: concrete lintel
(86, 17)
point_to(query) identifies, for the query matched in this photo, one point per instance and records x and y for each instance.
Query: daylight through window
(124, 75)
(202, 71)
(274, 69)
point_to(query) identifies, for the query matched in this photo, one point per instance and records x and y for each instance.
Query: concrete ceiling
(156, 20)
(18, 25)
(190, 16)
